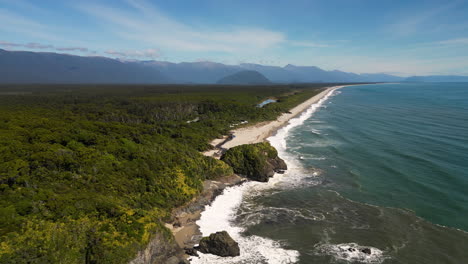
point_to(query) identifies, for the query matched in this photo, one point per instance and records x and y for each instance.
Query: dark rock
(177, 224)
(220, 244)
(278, 164)
(367, 251)
(191, 252)
(351, 249)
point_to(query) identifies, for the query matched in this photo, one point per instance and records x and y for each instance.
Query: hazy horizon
(399, 37)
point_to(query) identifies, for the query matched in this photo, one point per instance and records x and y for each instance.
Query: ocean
(381, 167)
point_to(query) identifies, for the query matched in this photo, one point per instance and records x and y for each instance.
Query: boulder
(191, 252)
(368, 251)
(220, 244)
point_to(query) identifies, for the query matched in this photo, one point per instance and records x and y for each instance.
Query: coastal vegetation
(88, 174)
(255, 161)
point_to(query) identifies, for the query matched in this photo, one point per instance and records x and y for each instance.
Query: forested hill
(89, 174)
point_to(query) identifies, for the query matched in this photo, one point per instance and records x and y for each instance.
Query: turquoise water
(402, 146)
(383, 167)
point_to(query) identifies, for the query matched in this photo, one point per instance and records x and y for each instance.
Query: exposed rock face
(161, 249)
(219, 243)
(278, 164)
(257, 162)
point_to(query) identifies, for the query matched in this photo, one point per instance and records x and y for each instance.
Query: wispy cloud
(126, 54)
(148, 53)
(73, 49)
(9, 44)
(456, 41)
(24, 5)
(415, 22)
(145, 23)
(309, 44)
(39, 46)
(15, 23)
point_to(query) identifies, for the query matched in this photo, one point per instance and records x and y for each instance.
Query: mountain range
(25, 67)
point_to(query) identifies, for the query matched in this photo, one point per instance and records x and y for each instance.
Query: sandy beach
(259, 132)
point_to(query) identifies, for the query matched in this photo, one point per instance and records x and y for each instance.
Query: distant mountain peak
(245, 77)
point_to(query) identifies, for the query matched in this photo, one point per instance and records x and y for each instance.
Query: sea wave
(253, 249)
(220, 214)
(351, 252)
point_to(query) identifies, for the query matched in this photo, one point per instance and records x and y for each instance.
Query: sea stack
(257, 162)
(220, 244)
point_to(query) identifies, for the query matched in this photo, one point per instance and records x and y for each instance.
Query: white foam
(279, 139)
(295, 173)
(253, 249)
(351, 252)
(218, 216)
(315, 131)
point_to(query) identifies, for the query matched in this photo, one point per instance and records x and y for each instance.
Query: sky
(400, 37)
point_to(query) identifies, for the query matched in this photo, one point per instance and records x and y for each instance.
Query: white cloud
(143, 22)
(148, 53)
(308, 44)
(10, 44)
(38, 46)
(418, 21)
(456, 41)
(12, 22)
(81, 49)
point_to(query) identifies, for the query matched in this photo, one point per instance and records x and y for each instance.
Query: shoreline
(183, 223)
(261, 131)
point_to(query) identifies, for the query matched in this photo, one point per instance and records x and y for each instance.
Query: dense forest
(89, 173)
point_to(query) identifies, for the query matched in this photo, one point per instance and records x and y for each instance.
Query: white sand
(259, 132)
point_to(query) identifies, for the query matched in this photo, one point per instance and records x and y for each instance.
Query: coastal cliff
(161, 249)
(255, 162)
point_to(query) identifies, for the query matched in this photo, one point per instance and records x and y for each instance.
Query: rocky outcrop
(220, 244)
(161, 249)
(257, 162)
(278, 165)
(368, 251)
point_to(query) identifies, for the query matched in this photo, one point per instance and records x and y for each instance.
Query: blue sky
(364, 36)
